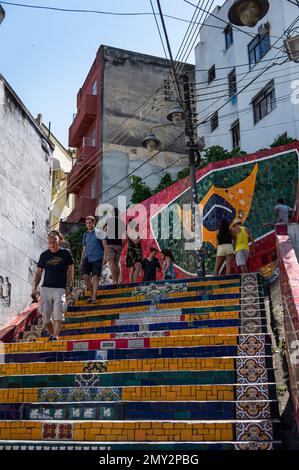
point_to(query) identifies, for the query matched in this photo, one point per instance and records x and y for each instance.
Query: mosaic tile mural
(245, 187)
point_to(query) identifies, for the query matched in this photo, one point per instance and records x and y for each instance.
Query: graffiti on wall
(5, 292)
(244, 188)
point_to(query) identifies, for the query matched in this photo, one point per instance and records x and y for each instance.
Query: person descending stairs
(170, 365)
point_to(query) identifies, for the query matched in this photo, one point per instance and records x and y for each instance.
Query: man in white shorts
(58, 267)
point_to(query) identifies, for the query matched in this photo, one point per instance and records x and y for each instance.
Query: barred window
(264, 102)
(212, 74)
(229, 38)
(214, 121)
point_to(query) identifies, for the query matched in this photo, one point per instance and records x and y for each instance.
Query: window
(258, 47)
(264, 102)
(214, 121)
(95, 88)
(232, 83)
(235, 132)
(211, 74)
(229, 38)
(93, 137)
(92, 187)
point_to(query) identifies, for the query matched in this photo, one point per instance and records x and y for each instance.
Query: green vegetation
(75, 241)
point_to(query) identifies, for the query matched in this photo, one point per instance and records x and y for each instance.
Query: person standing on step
(92, 258)
(282, 212)
(225, 250)
(168, 265)
(115, 232)
(57, 265)
(134, 256)
(150, 265)
(242, 237)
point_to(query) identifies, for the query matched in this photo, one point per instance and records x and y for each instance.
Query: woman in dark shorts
(225, 251)
(134, 258)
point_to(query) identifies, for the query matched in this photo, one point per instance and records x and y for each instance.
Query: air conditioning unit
(292, 48)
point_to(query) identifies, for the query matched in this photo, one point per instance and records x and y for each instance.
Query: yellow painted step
(123, 365)
(148, 393)
(122, 300)
(152, 320)
(196, 431)
(161, 342)
(174, 306)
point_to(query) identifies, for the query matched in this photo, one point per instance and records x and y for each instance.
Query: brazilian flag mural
(246, 188)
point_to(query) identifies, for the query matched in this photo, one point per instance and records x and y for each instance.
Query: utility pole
(193, 152)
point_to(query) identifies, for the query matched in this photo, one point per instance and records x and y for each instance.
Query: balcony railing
(86, 206)
(83, 120)
(88, 157)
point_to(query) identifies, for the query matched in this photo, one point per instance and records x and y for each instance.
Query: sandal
(89, 299)
(94, 301)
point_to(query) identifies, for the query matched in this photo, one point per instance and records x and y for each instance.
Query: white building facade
(25, 179)
(232, 111)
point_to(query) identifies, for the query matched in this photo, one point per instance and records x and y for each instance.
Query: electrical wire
(158, 27)
(222, 106)
(248, 91)
(224, 80)
(128, 14)
(293, 23)
(92, 169)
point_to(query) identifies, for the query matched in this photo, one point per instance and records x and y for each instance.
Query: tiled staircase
(177, 365)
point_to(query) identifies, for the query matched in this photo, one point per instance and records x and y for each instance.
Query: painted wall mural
(245, 187)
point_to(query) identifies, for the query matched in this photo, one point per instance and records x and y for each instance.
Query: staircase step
(173, 365)
(125, 332)
(111, 431)
(141, 393)
(81, 367)
(154, 411)
(195, 314)
(145, 318)
(164, 327)
(107, 379)
(141, 446)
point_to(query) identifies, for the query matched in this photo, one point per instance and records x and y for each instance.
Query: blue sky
(45, 55)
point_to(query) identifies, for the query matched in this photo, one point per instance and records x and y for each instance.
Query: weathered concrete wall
(119, 161)
(129, 79)
(25, 181)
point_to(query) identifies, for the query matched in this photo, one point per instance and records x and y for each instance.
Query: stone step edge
(130, 443)
(230, 277)
(89, 402)
(163, 421)
(147, 330)
(154, 333)
(156, 317)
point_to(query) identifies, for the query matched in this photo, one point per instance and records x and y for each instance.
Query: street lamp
(248, 12)
(151, 142)
(176, 114)
(2, 14)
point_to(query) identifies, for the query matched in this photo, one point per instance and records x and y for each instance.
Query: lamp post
(151, 142)
(250, 12)
(2, 14)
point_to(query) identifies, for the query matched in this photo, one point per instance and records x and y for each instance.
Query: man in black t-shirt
(150, 265)
(58, 267)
